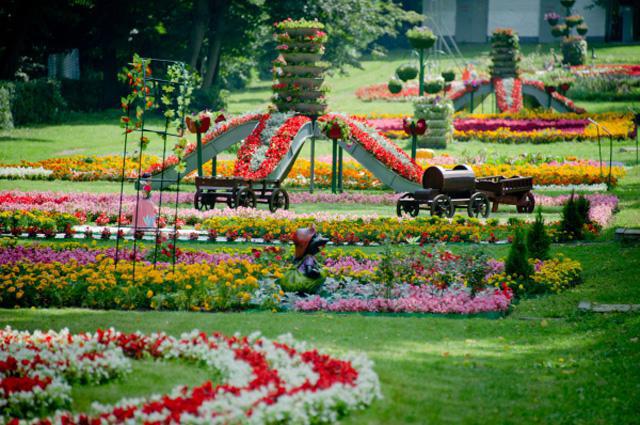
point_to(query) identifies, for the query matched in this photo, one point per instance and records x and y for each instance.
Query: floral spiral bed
(426, 280)
(264, 381)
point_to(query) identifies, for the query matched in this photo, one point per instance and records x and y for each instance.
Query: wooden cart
(237, 192)
(514, 190)
(444, 191)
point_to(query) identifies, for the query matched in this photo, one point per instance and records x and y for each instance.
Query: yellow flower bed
(203, 286)
(555, 275)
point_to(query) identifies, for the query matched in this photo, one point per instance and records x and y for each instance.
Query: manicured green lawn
(545, 363)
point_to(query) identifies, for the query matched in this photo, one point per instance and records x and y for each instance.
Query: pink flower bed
(423, 299)
(103, 208)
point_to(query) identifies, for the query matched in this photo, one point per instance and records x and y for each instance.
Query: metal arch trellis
(152, 89)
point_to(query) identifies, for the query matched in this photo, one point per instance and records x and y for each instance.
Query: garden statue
(306, 274)
(145, 213)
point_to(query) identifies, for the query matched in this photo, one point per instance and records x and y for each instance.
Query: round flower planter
(567, 3)
(552, 21)
(303, 69)
(300, 57)
(301, 32)
(311, 108)
(310, 83)
(574, 51)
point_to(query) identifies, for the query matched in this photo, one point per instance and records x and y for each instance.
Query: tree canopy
(224, 40)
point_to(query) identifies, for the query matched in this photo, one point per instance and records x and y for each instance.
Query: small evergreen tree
(583, 205)
(572, 221)
(517, 263)
(538, 241)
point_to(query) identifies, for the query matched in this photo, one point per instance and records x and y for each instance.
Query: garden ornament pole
(312, 165)
(340, 188)
(599, 143)
(421, 75)
(334, 154)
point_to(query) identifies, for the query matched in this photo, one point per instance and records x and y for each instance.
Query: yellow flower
(149, 293)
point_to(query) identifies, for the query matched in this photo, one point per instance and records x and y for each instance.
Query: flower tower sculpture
(437, 113)
(298, 70)
(574, 46)
(505, 71)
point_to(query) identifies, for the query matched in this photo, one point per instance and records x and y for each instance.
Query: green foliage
(6, 117)
(574, 50)
(574, 218)
(353, 25)
(36, 101)
(394, 85)
(583, 205)
(84, 95)
(449, 75)
(407, 72)
(434, 86)
(421, 37)
(517, 263)
(538, 241)
(605, 87)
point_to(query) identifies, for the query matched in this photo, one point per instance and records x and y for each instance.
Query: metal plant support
(156, 85)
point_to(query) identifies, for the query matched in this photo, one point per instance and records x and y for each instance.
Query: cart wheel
(279, 199)
(442, 206)
(528, 205)
(231, 202)
(478, 205)
(245, 198)
(203, 201)
(411, 208)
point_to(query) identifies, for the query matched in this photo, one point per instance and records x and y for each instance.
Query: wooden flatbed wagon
(514, 190)
(237, 192)
(444, 191)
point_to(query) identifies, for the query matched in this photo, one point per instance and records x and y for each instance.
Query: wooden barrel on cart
(460, 179)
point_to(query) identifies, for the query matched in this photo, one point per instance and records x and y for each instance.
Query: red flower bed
(389, 154)
(503, 97)
(381, 92)
(278, 147)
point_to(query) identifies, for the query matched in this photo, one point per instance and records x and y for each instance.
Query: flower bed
(265, 147)
(626, 70)
(431, 280)
(262, 381)
(523, 127)
(102, 209)
(383, 149)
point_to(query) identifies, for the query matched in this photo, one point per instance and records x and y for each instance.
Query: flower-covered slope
(264, 381)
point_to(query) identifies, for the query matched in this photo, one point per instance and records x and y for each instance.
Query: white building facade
(473, 21)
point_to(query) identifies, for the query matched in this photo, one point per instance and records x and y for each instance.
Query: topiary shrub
(517, 263)
(394, 85)
(538, 241)
(583, 205)
(434, 86)
(407, 72)
(449, 76)
(574, 50)
(421, 37)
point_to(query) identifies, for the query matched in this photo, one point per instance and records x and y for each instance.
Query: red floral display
(389, 155)
(278, 147)
(502, 97)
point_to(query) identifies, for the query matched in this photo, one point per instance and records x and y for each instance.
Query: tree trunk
(200, 21)
(215, 43)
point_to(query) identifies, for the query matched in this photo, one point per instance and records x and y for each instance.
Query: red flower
(335, 132)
